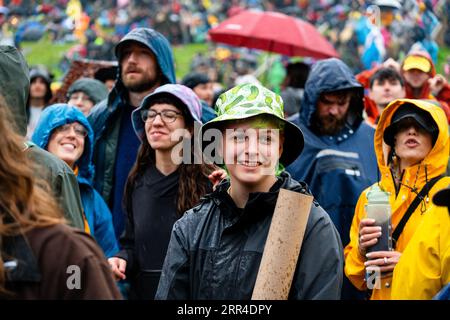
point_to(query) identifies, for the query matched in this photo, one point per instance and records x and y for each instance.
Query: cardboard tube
(282, 247)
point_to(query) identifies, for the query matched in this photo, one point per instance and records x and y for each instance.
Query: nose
(158, 120)
(71, 133)
(333, 109)
(78, 102)
(386, 86)
(252, 147)
(132, 57)
(412, 130)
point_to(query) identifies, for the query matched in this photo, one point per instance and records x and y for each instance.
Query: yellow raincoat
(424, 268)
(434, 164)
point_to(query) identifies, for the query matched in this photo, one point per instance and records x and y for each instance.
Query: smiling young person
(159, 188)
(37, 249)
(412, 147)
(64, 131)
(216, 247)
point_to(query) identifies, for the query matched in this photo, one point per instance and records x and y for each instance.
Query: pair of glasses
(168, 116)
(80, 131)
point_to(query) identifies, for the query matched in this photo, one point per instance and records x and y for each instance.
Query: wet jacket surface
(14, 87)
(435, 164)
(45, 262)
(216, 249)
(424, 268)
(336, 168)
(96, 211)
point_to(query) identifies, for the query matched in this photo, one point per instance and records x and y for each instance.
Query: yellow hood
(435, 162)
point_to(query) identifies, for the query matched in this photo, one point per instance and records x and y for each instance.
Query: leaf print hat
(250, 100)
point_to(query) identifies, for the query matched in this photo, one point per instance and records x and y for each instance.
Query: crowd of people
(158, 189)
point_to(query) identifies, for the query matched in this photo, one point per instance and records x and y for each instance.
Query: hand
(216, 176)
(436, 84)
(391, 63)
(386, 260)
(368, 235)
(118, 267)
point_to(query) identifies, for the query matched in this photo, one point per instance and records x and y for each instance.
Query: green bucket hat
(251, 100)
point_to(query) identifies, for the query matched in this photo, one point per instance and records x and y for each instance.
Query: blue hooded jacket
(97, 213)
(337, 168)
(106, 119)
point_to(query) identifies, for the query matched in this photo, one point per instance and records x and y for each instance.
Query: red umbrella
(274, 32)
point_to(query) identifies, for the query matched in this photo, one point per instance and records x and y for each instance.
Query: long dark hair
(193, 178)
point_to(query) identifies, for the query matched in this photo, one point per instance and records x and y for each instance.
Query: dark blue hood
(326, 76)
(56, 116)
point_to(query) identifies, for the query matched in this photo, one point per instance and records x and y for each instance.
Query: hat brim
(442, 197)
(391, 130)
(293, 136)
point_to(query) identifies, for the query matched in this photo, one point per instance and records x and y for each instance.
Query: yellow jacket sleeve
(354, 261)
(424, 267)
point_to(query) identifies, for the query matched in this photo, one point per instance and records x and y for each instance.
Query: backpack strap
(412, 207)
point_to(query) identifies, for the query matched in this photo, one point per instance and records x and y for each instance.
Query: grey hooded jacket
(14, 87)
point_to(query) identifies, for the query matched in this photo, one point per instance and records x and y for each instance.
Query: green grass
(444, 53)
(49, 54)
(183, 56)
(45, 52)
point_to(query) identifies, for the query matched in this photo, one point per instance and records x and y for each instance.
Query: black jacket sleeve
(174, 283)
(319, 272)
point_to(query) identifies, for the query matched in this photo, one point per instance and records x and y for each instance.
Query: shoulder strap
(412, 207)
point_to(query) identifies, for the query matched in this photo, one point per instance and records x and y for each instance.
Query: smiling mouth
(68, 146)
(157, 133)
(251, 164)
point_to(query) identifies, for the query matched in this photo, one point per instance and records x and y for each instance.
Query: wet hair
(296, 75)
(384, 74)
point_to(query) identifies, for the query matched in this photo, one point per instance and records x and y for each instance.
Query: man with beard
(338, 160)
(145, 63)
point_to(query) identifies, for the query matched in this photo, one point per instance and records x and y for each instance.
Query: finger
(375, 262)
(367, 244)
(382, 254)
(366, 222)
(370, 236)
(122, 265)
(370, 230)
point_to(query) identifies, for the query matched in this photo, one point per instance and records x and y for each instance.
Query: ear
(281, 144)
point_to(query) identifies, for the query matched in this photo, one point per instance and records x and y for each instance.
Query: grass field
(49, 54)
(45, 52)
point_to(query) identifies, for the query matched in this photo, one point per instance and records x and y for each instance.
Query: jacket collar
(259, 204)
